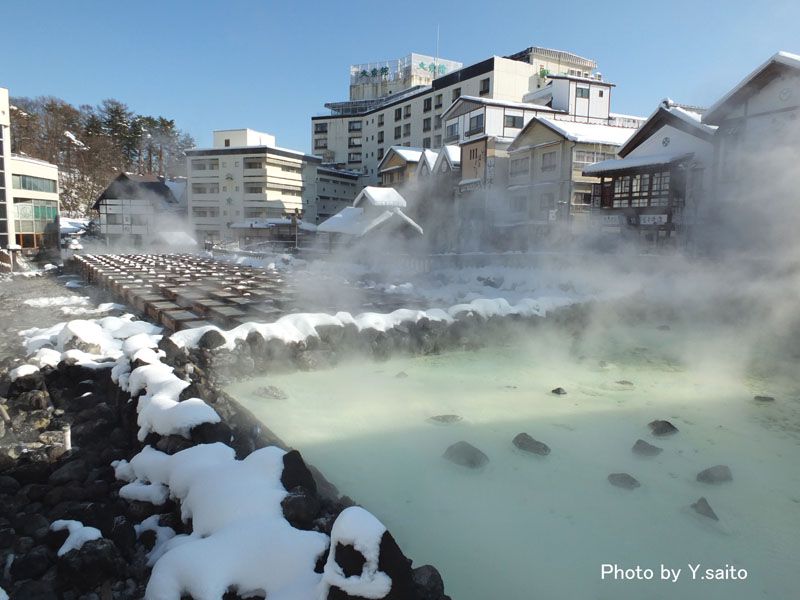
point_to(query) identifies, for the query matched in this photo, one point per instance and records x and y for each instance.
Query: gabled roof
(128, 185)
(429, 158)
(669, 113)
(586, 133)
(503, 103)
(407, 153)
(766, 72)
(357, 222)
(380, 196)
(449, 154)
(635, 162)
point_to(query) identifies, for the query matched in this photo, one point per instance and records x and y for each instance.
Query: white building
(374, 209)
(358, 133)
(246, 176)
(34, 192)
(6, 219)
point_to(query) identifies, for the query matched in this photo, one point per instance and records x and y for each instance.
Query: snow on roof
(623, 164)
(356, 222)
(272, 222)
(783, 58)
(380, 196)
(408, 153)
(429, 156)
(177, 187)
(589, 133)
(453, 154)
(580, 78)
(691, 117)
(504, 103)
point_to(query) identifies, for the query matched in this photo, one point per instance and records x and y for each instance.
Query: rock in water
(525, 442)
(401, 375)
(664, 328)
(659, 427)
(465, 454)
(764, 398)
(623, 480)
(624, 383)
(273, 392)
(444, 419)
(559, 391)
(704, 508)
(715, 474)
(644, 449)
(428, 583)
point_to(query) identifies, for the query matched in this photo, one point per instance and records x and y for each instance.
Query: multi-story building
(336, 189)
(246, 176)
(358, 133)
(34, 192)
(6, 220)
(399, 166)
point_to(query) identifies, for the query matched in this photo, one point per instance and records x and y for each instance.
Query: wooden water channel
(182, 291)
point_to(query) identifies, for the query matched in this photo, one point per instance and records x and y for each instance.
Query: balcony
(453, 137)
(474, 131)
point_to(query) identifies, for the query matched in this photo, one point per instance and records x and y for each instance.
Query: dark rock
(642, 448)
(28, 524)
(559, 391)
(74, 470)
(296, 473)
(401, 375)
(33, 400)
(26, 383)
(660, 427)
(444, 419)
(7, 537)
(428, 583)
(663, 328)
(209, 433)
(148, 539)
(211, 339)
(704, 508)
(56, 538)
(35, 471)
(349, 559)
(24, 544)
(465, 454)
(33, 564)
(272, 392)
(300, 508)
(392, 562)
(623, 480)
(123, 534)
(764, 398)
(36, 590)
(8, 485)
(525, 442)
(171, 444)
(91, 564)
(35, 492)
(624, 383)
(492, 282)
(715, 474)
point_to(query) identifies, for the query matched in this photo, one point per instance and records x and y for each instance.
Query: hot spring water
(527, 526)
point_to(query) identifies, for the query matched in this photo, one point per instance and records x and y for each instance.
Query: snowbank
(79, 534)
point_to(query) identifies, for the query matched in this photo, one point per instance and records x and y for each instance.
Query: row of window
(521, 166)
(213, 164)
(34, 184)
(646, 189)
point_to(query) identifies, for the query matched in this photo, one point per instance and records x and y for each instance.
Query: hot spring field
(526, 526)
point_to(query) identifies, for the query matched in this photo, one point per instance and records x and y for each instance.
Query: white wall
(242, 137)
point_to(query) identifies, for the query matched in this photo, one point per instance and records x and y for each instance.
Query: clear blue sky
(270, 66)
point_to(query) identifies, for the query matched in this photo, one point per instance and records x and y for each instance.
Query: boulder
(704, 508)
(465, 454)
(764, 398)
(27, 524)
(91, 564)
(559, 391)
(210, 433)
(33, 564)
(74, 470)
(642, 448)
(8, 485)
(444, 419)
(300, 508)
(36, 590)
(272, 392)
(715, 474)
(661, 427)
(623, 480)
(428, 583)
(525, 442)
(296, 473)
(211, 339)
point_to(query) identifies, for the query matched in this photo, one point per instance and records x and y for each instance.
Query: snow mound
(22, 371)
(79, 534)
(57, 301)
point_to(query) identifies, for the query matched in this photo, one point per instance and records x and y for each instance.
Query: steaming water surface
(526, 526)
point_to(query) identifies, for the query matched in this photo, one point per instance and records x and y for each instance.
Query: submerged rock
(623, 480)
(715, 474)
(444, 419)
(428, 583)
(663, 328)
(704, 508)
(525, 442)
(272, 392)
(401, 375)
(624, 383)
(559, 391)
(764, 398)
(465, 454)
(660, 427)
(644, 449)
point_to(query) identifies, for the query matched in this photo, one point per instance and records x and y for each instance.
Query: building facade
(336, 189)
(245, 176)
(6, 218)
(34, 192)
(357, 134)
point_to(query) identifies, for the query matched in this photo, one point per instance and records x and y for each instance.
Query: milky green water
(530, 527)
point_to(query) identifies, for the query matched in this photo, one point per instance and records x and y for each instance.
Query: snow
(631, 162)
(358, 528)
(3, 594)
(143, 492)
(101, 308)
(380, 196)
(272, 222)
(45, 357)
(22, 371)
(357, 222)
(71, 137)
(589, 133)
(406, 153)
(163, 535)
(79, 534)
(57, 301)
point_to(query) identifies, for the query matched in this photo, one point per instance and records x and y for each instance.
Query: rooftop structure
(376, 80)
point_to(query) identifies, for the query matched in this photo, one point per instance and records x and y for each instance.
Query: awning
(634, 162)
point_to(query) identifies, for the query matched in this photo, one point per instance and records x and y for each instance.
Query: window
(437, 141)
(256, 163)
(484, 86)
(320, 128)
(513, 121)
(549, 161)
(205, 211)
(583, 158)
(227, 142)
(427, 104)
(354, 142)
(406, 129)
(451, 133)
(205, 188)
(456, 94)
(600, 93)
(380, 137)
(211, 164)
(398, 114)
(519, 166)
(33, 184)
(426, 142)
(253, 188)
(397, 132)
(354, 126)
(582, 92)
(255, 213)
(438, 103)
(475, 124)
(354, 157)
(321, 143)
(426, 124)
(437, 122)
(380, 153)
(380, 120)
(407, 111)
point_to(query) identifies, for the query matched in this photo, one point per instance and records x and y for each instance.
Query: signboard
(652, 219)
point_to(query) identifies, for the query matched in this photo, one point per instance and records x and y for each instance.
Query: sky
(270, 66)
